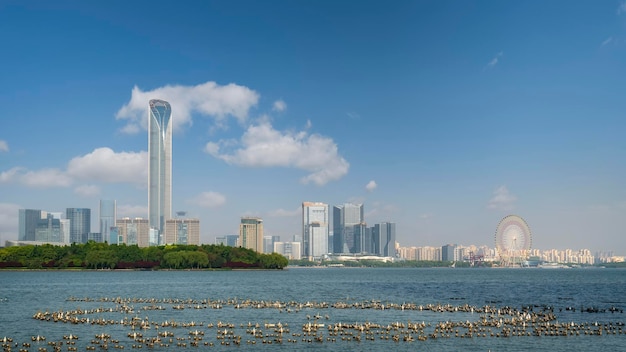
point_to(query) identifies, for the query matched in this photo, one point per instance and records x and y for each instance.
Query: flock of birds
(130, 319)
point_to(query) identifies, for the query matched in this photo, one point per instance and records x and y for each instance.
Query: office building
(251, 233)
(108, 215)
(448, 253)
(384, 239)
(228, 240)
(80, 224)
(133, 231)
(49, 229)
(291, 250)
(27, 223)
(159, 164)
(344, 218)
(182, 231)
(315, 224)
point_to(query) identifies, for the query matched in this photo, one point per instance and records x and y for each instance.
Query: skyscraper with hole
(160, 164)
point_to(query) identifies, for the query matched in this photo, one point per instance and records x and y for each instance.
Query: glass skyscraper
(314, 229)
(80, 224)
(160, 164)
(108, 215)
(344, 218)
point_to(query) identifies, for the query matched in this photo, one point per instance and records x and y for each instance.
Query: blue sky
(441, 116)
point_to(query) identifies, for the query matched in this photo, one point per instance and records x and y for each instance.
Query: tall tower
(344, 218)
(160, 164)
(251, 234)
(108, 215)
(314, 229)
(80, 224)
(28, 219)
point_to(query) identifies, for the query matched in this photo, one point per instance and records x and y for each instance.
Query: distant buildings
(228, 240)
(251, 233)
(182, 231)
(315, 224)
(27, 224)
(344, 218)
(291, 250)
(108, 215)
(134, 231)
(160, 164)
(80, 224)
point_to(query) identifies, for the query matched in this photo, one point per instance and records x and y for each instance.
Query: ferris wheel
(513, 240)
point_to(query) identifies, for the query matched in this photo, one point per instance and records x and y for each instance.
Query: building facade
(291, 250)
(251, 233)
(315, 224)
(133, 231)
(80, 224)
(159, 164)
(344, 218)
(384, 239)
(182, 231)
(108, 215)
(27, 223)
(228, 240)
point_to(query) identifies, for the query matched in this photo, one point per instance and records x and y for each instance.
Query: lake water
(459, 309)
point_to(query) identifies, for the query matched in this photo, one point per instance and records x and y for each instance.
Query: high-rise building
(251, 233)
(27, 223)
(314, 229)
(108, 215)
(80, 223)
(344, 218)
(291, 250)
(448, 252)
(384, 239)
(133, 231)
(49, 229)
(160, 164)
(182, 231)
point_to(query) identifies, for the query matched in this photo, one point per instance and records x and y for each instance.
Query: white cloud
(87, 191)
(282, 213)
(371, 186)
(279, 105)
(495, 60)
(45, 178)
(607, 41)
(263, 146)
(621, 8)
(9, 219)
(208, 199)
(132, 211)
(207, 98)
(105, 165)
(4, 146)
(502, 199)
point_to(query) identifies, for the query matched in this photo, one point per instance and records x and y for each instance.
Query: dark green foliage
(93, 255)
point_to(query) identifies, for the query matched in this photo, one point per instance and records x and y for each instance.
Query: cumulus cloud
(87, 191)
(4, 146)
(371, 186)
(279, 105)
(495, 60)
(208, 199)
(208, 99)
(101, 165)
(45, 178)
(502, 199)
(132, 211)
(263, 146)
(105, 165)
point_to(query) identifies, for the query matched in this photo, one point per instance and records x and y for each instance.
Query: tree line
(94, 255)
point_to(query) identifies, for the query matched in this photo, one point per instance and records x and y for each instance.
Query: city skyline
(441, 117)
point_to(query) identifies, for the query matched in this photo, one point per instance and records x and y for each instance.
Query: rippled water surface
(581, 297)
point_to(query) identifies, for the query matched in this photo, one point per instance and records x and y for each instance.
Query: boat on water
(553, 266)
